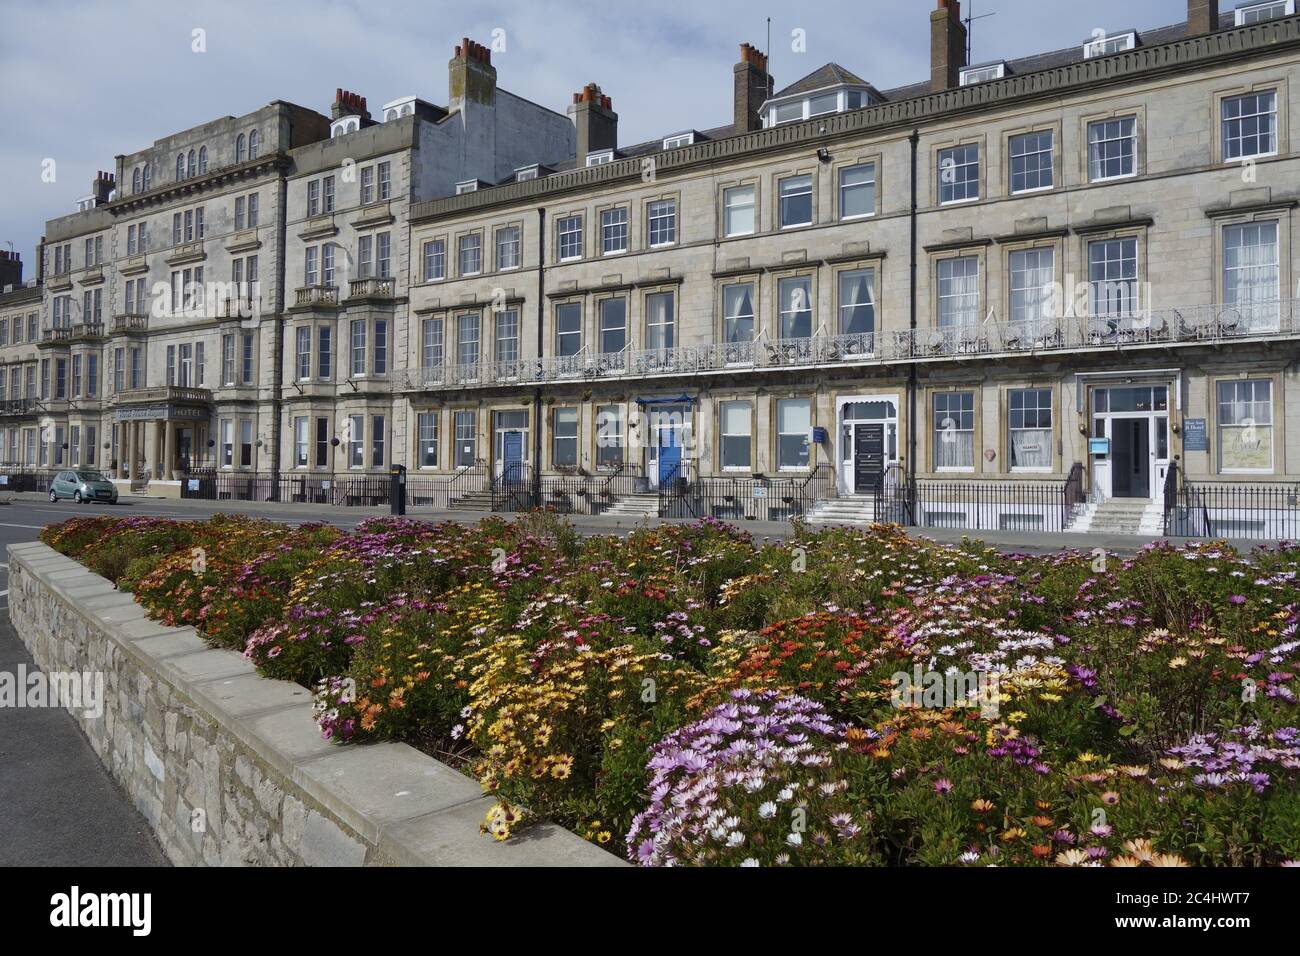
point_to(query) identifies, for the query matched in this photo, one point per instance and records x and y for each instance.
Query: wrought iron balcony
(990, 339)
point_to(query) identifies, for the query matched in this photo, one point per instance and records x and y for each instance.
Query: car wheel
(76, 496)
(54, 495)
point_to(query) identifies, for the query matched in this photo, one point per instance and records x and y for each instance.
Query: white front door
(1135, 420)
(867, 432)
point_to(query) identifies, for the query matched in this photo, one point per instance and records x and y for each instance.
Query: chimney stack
(595, 120)
(947, 46)
(11, 269)
(471, 77)
(102, 187)
(753, 86)
(347, 103)
(1202, 17)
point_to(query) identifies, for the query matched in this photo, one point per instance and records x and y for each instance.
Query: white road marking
(38, 527)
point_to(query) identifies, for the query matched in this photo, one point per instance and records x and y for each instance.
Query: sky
(87, 80)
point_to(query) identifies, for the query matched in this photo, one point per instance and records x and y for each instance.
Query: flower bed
(686, 696)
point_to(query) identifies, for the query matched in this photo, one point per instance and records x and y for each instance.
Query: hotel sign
(159, 413)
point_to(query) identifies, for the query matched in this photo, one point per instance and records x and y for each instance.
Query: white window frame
(869, 185)
(566, 231)
(1247, 422)
(612, 228)
(1225, 120)
(782, 196)
(724, 434)
(1025, 173)
(1095, 147)
(728, 207)
(1110, 44)
(1249, 13)
(950, 154)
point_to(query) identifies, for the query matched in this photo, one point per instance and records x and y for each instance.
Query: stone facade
(987, 276)
(228, 767)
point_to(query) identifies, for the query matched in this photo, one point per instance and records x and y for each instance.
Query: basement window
(982, 74)
(1111, 43)
(1249, 13)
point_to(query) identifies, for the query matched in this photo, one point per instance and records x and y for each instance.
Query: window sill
(1112, 179)
(1031, 192)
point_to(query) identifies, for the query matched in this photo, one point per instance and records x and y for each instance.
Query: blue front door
(670, 461)
(513, 456)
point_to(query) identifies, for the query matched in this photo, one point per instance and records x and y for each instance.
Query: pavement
(59, 806)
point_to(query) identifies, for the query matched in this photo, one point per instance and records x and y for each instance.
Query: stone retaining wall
(229, 767)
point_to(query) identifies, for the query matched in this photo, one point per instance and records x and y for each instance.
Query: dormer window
(1110, 43)
(823, 102)
(468, 186)
(344, 125)
(982, 74)
(678, 140)
(399, 108)
(600, 157)
(1249, 13)
(821, 105)
(525, 173)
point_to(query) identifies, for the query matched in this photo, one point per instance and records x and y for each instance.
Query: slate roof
(832, 74)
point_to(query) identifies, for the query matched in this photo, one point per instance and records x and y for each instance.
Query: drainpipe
(914, 140)
(541, 338)
(277, 379)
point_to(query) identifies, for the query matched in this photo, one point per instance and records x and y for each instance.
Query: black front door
(868, 458)
(1130, 458)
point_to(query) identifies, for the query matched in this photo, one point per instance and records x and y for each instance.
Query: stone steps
(1135, 516)
(644, 505)
(850, 511)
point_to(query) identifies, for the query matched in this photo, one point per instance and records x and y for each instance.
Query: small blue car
(83, 486)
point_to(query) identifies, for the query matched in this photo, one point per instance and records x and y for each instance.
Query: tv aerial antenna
(968, 20)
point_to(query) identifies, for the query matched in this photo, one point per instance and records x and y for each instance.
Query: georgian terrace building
(177, 299)
(20, 308)
(161, 301)
(1068, 271)
(348, 252)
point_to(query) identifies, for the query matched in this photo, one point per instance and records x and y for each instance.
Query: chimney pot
(947, 46)
(752, 86)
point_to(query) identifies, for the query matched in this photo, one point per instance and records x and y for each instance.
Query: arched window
(148, 175)
(203, 160)
(253, 140)
(193, 168)
(239, 148)
(180, 166)
(135, 180)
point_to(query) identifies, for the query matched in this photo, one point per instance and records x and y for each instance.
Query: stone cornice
(1140, 64)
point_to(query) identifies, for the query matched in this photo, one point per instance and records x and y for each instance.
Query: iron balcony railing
(1197, 325)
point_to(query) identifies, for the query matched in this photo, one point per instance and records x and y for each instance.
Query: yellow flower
(1177, 662)
(1168, 859)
